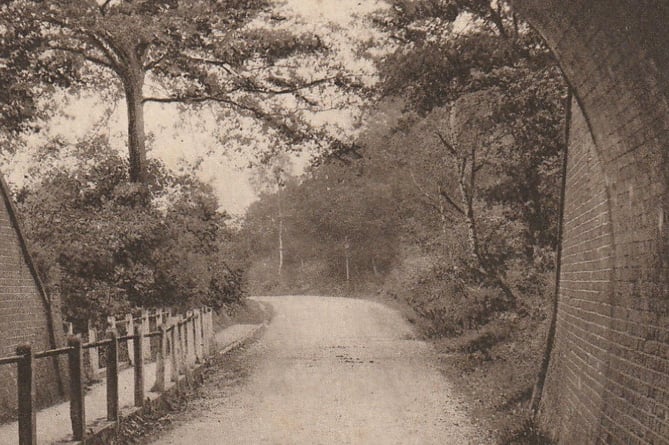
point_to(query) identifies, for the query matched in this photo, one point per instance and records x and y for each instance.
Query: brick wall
(608, 379)
(24, 316)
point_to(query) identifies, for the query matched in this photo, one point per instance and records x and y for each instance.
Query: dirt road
(331, 371)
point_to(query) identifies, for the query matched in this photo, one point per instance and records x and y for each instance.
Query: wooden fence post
(183, 333)
(77, 403)
(139, 364)
(93, 353)
(197, 335)
(205, 337)
(159, 385)
(191, 331)
(26, 396)
(174, 351)
(111, 323)
(130, 330)
(146, 328)
(181, 345)
(210, 331)
(112, 377)
(189, 339)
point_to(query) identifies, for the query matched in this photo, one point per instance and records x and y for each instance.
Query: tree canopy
(233, 53)
(106, 245)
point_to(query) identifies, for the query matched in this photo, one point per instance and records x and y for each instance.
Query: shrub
(107, 245)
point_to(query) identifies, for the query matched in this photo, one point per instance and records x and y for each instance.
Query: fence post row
(183, 341)
(77, 404)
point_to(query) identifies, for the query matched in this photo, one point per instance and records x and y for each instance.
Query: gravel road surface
(330, 371)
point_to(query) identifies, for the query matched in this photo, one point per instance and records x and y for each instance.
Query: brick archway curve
(608, 379)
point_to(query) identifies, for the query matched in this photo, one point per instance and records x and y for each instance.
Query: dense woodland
(450, 196)
(444, 200)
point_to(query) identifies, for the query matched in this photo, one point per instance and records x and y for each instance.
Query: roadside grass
(246, 311)
(527, 433)
(493, 367)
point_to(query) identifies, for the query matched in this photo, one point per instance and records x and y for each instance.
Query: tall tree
(271, 178)
(470, 141)
(446, 49)
(194, 51)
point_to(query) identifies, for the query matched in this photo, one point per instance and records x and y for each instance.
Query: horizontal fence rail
(181, 341)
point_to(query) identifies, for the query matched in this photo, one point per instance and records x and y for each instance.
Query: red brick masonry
(608, 380)
(25, 315)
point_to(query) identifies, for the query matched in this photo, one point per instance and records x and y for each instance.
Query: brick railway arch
(608, 376)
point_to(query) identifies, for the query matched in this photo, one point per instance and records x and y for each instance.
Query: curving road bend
(332, 371)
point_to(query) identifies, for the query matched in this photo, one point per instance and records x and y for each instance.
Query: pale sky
(181, 140)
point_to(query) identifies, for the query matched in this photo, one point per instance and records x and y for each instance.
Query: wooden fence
(179, 343)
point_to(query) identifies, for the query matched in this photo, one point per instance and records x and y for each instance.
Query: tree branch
(83, 54)
(420, 189)
(282, 127)
(446, 144)
(288, 90)
(251, 86)
(152, 64)
(432, 200)
(449, 200)
(107, 47)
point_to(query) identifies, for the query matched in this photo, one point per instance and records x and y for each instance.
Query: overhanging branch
(82, 53)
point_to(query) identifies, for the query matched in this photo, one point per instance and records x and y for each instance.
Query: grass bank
(494, 368)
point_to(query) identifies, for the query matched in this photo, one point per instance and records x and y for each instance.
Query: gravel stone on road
(331, 371)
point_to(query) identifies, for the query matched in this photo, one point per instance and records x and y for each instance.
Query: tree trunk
(134, 85)
(467, 182)
(278, 195)
(280, 244)
(348, 273)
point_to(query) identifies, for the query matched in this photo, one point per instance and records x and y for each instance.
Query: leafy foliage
(453, 196)
(105, 244)
(166, 51)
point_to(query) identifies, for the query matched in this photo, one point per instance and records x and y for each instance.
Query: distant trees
(326, 210)
(167, 51)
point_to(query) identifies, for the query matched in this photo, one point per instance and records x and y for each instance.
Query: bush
(107, 245)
